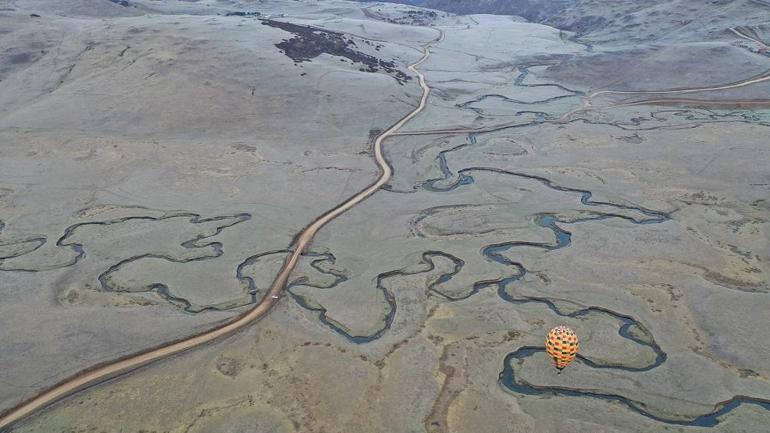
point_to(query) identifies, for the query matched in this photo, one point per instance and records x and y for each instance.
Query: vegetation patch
(309, 43)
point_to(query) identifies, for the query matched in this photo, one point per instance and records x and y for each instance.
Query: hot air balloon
(561, 344)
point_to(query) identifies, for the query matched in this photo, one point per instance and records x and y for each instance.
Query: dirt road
(109, 370)
(588, 99)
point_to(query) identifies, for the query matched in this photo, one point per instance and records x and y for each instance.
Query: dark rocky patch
(582, 25)
(11, 62)
(19, 58)
(123, 3)
(229, 367)
(242, 14)
(309, 42)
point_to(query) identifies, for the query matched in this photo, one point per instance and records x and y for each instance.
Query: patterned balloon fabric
(561, 344)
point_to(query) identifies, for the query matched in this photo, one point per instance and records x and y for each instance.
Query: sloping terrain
(189, 142)
(620, 22)
(601, 165)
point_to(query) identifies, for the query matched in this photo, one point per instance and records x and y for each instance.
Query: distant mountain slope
(621, 22)
(534, 10)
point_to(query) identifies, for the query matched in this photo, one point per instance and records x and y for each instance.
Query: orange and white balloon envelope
(561, 344)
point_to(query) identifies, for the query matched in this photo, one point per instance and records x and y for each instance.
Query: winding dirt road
(722, 103)
(109, 370)
(588, 98)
